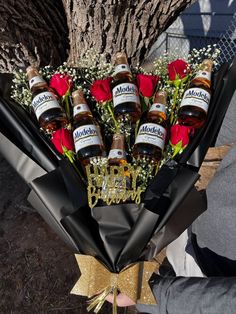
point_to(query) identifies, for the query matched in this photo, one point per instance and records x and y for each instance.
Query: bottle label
(35, 80)
(151, 133)
(116, 153)
(80, 108)
(203, 75)
(158, 107)
(86, 135)
(125, 92)
(121, 68)
(196, 97)
(43, 102)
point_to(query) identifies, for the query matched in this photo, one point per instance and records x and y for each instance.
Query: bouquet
(115, 217)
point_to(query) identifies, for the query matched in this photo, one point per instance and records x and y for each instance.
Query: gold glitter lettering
(113, 185)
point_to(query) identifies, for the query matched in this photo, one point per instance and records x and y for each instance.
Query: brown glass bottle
(150, 140)
(48, 111)
(117, 154)
(88, 142)
(117, 157)
(124, 92)
(194, 105)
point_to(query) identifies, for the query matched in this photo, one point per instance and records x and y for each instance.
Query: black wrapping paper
(120, 234)
(23, 164)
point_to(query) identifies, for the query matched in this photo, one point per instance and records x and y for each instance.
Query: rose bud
(178, 69)
(179, 137)
(147, 84)
(101, 90)
(62, 139)
(61, 83)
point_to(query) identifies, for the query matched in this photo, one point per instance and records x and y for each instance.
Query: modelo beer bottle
(117, 157)
(194, 105)
(124, 92)
(48, 111)
(150, 141)
(87, 140)
(117, 154)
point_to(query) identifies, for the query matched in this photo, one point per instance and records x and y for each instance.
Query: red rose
(61, 83)
(101, 89)
(147, 84)
(178, 69)
(179, 135)
(62, 138)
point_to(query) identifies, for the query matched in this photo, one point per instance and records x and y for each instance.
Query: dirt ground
(37, 270)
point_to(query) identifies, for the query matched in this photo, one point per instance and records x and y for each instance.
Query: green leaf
(69, 154)
(178, 149)
(144, 106)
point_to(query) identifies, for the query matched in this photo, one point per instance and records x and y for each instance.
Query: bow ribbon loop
(96, 279)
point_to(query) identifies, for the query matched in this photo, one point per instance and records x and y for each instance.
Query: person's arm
(182, 295)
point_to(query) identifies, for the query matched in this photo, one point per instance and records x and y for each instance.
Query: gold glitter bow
(96, 280)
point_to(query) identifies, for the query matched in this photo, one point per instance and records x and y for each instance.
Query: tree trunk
(113, 25)
(38, 32)
(32, 32)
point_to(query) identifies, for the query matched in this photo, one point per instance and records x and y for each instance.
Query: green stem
(127, 135)
(117, 127)
(157, 168)
(67, 106)
(172, 115)
(71, 158)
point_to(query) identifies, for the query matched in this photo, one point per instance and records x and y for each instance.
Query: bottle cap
(118, 141)
(160, 97)
(207, 65)
(35, 79)
(78, 97)
(117, 153)
(31, 72)
(121, 58)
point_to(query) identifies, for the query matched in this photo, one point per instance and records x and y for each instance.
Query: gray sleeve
(227, 131)
(183, 295)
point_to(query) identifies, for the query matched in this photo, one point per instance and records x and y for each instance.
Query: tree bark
(32, 32)
(113, 25)
(40, 32)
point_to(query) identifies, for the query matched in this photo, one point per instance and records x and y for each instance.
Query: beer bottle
(124, 91)
(48, 111)
(117, 154)
(150, 140)
(87, 140)
(117, 157)
(194, 105)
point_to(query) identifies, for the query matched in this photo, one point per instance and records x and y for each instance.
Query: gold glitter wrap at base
(96, 279)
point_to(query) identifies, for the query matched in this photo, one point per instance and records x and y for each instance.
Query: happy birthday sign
(113, 184)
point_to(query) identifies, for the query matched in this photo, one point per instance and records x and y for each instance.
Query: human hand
(122, 300)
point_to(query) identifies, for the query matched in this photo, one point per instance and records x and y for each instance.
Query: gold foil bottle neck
(31, 72)
(121, 58)
(78, 97)
(118, 141)
(117, 155)
(161, 97)
(207, 65)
